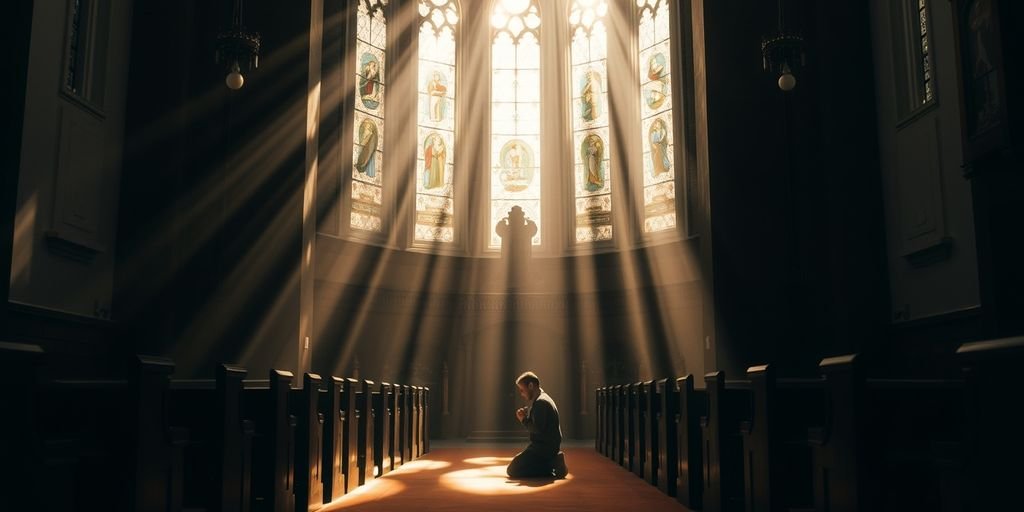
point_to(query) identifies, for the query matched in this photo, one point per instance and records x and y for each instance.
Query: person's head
(529, 385)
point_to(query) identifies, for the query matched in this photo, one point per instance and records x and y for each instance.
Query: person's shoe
(560, 469)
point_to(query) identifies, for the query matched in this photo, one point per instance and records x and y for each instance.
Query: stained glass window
(593, 199)
(368, 128)
(927, 93)
(656, 115)
(436, 121)
(913, 59)
(85, 52)
(515, 112)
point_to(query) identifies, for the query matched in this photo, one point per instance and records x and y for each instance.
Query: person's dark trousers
(532, 462)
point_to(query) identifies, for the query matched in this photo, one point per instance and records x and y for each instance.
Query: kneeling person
(542, 457)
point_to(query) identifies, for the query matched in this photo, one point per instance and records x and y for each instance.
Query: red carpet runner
(470, 478)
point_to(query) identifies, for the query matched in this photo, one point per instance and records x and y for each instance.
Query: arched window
(515, 112)
(655, 60)
(593, 155)
(436, 121)
(591, 147)
(368, 128)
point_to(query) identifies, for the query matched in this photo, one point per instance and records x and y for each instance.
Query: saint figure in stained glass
(434, 157)
(658, 137)
(590, 92)
(369, 81)
(657, 91)
(592, 156)
(437, 90)
(367, 157)
(517, 166)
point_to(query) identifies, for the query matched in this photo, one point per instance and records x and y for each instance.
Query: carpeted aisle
(472, 478)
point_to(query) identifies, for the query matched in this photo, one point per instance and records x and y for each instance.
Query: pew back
(692, 407)
(728, 405)
(382, 427)
(273, 461)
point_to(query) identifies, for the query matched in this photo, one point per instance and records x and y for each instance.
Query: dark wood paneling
(76, 346)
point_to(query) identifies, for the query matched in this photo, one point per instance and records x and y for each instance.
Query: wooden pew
(887, 444)
(217, 453)
(237, 485)
(690, 446)
(397, 414)
(382, 435)
(417, 422)
(994, 387)
(631, 454)
(114, 438)
(177, 439)
(420, 411)
(609, 422)
(407, 422)
(619, 435)
(152, 461)
(776, 451)
(153, 457)
(917, 434)
(426, 419)
(608, 414)
(728, 405)
(638, 418)
(364, 423)
(667, 427)
(305, 407)
(411, 420)
(610, 401)
(350, 433)
(837, 476)
(599, 433)
(273, 460)
(650, 420)
(21, 443)
(598, 446)
(625, 425)
(335, 431)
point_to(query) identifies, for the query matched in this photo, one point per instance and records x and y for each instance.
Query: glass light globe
(234, 80)
(787, 82)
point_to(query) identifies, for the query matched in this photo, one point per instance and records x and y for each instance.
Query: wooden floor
(472, 477)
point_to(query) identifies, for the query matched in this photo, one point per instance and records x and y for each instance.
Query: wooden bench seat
(304, 405)
(887, 444)
(383, 438)
(111, 440)
(992, 370)
(217, 457)
(364, 425)
(19, 367)
(728, 405)
(693, 406)
(651, 420)
(667, 420)
(273, 462)
(777, 455)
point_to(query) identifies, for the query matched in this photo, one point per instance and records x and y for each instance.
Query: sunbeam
(604, 254)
